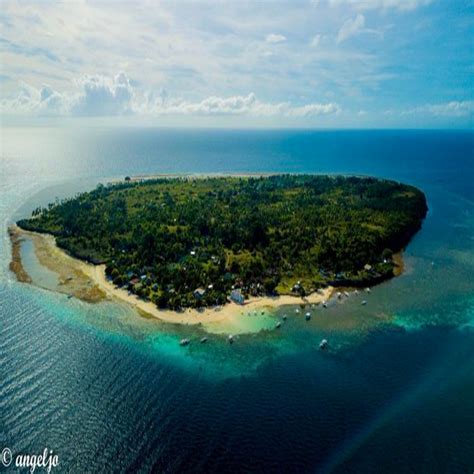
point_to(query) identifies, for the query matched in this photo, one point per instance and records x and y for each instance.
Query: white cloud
(241, 105)
(313, 109)
(382, 4)
(105, 96)
(32, 101)
(275, 38)
(315, 41)
(453, 108)
(351, 27)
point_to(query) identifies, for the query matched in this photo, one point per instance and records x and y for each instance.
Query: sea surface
(108, 390)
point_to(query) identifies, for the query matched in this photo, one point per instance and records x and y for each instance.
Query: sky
(309, 64)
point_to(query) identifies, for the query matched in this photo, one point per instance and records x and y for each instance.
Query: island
(196, 242)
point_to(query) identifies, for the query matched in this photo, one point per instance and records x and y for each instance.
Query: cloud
(29, 51)
(453, 108)
(107, 97)
(403, 5)
(242, 105)
(351, 27)
(104, 96)
(315, 41)
(313, 110)
(275, 38)
(32, 101)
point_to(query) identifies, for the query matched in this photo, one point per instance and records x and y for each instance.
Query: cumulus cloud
(104, 96)
(97, 96)
(33, 101)
(275, 38)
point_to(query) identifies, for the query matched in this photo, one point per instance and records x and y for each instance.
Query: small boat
(184, 342)
(325, 305)
(346, 294)
(230, 339)
(69, 297)
(297, 310)
(356, 292)
(278, 325)
(364, 303)
(367, 290)
(203, 340)
(339, 294)
(284, 317)
(263, 312)
(323, 344)
(308, 316)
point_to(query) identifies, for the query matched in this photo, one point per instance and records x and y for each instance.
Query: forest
(197, 241)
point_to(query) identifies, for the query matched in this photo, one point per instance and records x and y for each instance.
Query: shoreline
(89, 283)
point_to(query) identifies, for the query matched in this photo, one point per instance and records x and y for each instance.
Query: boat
(230, 339)
(69, 297)
(346, 293)
(278, 325)
(339, 294)
(364, 303)
(356, 292)
(184, 342)
(308, 316)
(284, 317)
(203, 340)
(325, 305)
(297, 310)
(323, 344)
(367, 290)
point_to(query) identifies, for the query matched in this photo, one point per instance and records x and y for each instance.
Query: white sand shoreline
(53, 257)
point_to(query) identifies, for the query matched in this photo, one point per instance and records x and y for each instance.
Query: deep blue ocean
(110, 391)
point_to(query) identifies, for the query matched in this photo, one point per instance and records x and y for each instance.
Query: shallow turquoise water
(104, 387)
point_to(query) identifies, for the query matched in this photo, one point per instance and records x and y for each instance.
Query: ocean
(108, 390)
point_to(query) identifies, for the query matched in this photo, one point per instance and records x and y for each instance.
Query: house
(198, 293)
(236, 296)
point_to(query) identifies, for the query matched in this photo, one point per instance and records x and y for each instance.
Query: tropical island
(189, 242)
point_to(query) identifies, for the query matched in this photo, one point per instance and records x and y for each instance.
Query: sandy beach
(88, 282)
